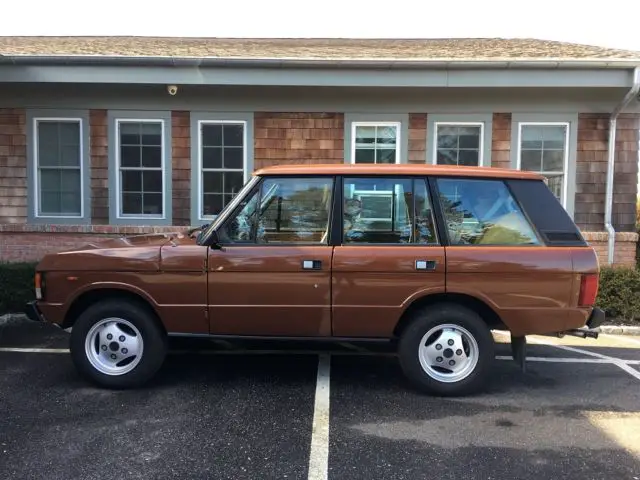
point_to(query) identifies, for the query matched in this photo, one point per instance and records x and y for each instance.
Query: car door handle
(311, 264)
(425, 264)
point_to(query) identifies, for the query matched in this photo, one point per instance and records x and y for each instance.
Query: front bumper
(596, 318)
(33, 313)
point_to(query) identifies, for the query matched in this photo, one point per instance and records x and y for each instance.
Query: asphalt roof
(446, 49)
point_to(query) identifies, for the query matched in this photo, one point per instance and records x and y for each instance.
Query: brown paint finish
(350, 291)
(372, 285)
(264, 290)
(530, 288)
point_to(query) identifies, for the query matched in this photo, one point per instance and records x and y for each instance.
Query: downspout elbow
(613, 123)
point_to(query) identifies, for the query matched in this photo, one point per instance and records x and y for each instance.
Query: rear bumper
(596, 318)
(33, 313)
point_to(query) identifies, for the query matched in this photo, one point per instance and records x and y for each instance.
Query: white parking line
(319, 454)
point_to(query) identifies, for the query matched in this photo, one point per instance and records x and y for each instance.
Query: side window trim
(258, 190)
(337, 228)
(441, 218)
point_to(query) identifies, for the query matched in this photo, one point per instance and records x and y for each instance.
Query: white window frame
(201, 169)
(565, 162)
(434, 153)
(36, 170)
(396, 125)
(163, 169)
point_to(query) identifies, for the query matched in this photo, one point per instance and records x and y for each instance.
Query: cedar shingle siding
(13, 165)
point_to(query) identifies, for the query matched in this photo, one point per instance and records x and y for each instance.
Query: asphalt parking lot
(244, 411)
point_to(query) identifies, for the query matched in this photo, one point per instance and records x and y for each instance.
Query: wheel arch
(111, 292)
(486, 312)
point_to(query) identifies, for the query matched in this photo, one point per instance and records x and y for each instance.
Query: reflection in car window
(382, 210)
(483, 212)
(291, 210)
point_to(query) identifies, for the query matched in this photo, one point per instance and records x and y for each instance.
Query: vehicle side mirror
(214, 241)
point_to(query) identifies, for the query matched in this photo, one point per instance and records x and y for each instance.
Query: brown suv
(428, 257)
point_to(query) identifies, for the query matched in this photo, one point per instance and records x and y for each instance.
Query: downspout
(613, 122)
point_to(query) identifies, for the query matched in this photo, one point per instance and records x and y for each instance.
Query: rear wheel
(117, 344)
(447, 350)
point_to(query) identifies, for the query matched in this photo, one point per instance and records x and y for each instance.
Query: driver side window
(283, 211)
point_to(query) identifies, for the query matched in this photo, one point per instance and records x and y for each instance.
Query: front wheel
(447, 350)
(117, 344)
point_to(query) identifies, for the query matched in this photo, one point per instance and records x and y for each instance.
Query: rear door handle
(311, 264)
(425, 264)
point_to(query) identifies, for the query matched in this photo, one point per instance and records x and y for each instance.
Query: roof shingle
(451, 49)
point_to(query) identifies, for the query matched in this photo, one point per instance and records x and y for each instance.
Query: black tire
(154, 343)
(419, 325)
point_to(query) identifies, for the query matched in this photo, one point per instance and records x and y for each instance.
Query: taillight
(39, 285)
(588, 289)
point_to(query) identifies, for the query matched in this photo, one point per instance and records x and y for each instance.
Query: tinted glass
(483, 212)
(292, 210)
(387, 211)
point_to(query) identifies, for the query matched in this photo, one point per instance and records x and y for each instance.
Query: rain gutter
(613, 121)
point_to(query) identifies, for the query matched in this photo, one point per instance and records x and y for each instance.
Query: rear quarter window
(483, 212)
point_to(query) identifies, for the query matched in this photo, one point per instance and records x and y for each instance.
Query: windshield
(204, 234)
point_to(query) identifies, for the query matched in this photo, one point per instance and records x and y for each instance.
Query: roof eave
(271, 62)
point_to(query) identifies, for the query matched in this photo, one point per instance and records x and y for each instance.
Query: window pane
(48, 133)
(211, 135)
(151, 134)
(50, 203)
(386, 135)
(233, 182)
(70, 156)
(531, 160)
(242, 227)
(131, 203)
(70, 204)
(211, 204)
(69, 133)
(295, 211)
(152, 157)
(129, 133)
(233, 136)
(70, 181)
(468, 158)
(531, 137)
(425, 231)
(131, 181)
(482, 212)
(152, 181)
(383, 215)
(469, 137)
(447, 157)
(553, 160)
(50, 180)
(212, 157)
(386, 156)
(365, 134)
(212, 182)
(555, 183)
(365, 155)
(130, 156)
(233, 157)
(152, 203)
(48, 155)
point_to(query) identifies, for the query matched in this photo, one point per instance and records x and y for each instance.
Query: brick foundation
(625, 249)
(291, 138)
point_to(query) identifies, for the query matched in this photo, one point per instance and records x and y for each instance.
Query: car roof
(395, 169)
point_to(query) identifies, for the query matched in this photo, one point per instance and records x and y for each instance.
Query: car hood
(128, 253)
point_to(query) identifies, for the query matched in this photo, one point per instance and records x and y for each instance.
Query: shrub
(16, 286)
(619, 293)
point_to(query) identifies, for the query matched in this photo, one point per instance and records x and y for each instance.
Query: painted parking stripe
(319, 454)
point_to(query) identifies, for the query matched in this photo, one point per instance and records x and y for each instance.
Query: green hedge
(619, 292)
(16, 286)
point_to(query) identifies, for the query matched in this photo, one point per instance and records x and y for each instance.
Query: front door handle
(425, 264)
(311, 264)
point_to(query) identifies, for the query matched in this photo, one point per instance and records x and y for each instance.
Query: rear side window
(483, 212)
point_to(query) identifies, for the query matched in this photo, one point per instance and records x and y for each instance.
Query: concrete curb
(15, 318)
(620, 330)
